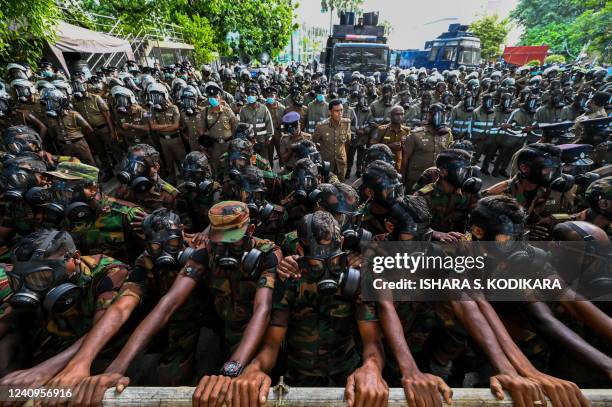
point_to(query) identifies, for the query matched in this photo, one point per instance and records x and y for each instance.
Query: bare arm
(591, 316)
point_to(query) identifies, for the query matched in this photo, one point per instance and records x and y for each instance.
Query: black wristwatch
(233, 368)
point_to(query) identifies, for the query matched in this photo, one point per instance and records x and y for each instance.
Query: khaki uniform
(579, 128)
(379, 112)
(91, 107)
(259, 117)
(332, 138)
(170, 142)
(136, 115)
(301, 110)
(316, 113)
(66, 131)
(286, 142)
(547, 114)
(421, 148)
(500, 117)
(218, 124)
(569, 113)
(387, 134)
(276, 112)
(189, 128)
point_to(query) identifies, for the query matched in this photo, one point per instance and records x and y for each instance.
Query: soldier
(130, 118)
(258, 116)
(315, 365)
(11, 116)
(599, 197)
(67, 126)
(164, 125)
(423, 146)
(317, 110)
(95, 110)
(332, 136)
(191, 117)
(461, 117)
(538, 186)
(140, 180)
(98, 223)
(451, 197)
(293, 134)
(393, 134)
(277, 111)
(83, 287)
(348, 113)
(418, 112)
(218, 125)
(595, 109)
(503, 110)
(198, 192)
(574, 109)
(482, 127)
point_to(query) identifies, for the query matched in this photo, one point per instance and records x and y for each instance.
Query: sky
(410, 18)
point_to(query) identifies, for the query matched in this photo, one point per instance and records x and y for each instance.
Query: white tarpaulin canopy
(71, 38)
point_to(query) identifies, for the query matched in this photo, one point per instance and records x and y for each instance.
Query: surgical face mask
(135, 173)
(46, 74)
(320, 98)
(213, 101)
(270, 100)
(343, 100)
(251, 99)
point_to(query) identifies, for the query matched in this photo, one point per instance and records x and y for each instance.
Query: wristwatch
(233, 368)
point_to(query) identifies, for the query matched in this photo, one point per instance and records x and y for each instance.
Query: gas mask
(487, 103)
(69, 201)
(19, 185)
(506, 103)
(157, 100)
(45, 282)
(468, 103)
(513, 249)
(229, 256)
(290, 128)
(328, 266)
(196, 179)
(556, 100)
(79, 90)
(543, 170)
(531, 104)
(461, 175)
(437, 118)
(166, 248)
(387, 99)
(135, 172)
(355, 236)
(54, 105)
(188, 103)
(4, 107)
(122, 102)
(305, 186)
(23, 93)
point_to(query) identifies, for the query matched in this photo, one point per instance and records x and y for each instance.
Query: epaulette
(169, 188)
(426, 189)
(561, 217)
(264, 245)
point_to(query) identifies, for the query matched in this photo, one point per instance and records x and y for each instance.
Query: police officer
(332, 136)
(551, 111)
(502, 113)
(95, 110)
(362, 133)
(257, 115)
(424, 144)
(130, 118)
(482, 126)
(461, 117)
(393, 134)
(164, 124)
(595, 109)
(67, 126)
(317, 110)
(574, 109)
(277, 111)
(380, 109)
(218, 124)
(292, 134)
(191, 117)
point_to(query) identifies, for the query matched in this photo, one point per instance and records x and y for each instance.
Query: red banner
(522, 55)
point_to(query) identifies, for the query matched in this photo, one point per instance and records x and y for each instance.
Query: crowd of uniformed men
(169, 226)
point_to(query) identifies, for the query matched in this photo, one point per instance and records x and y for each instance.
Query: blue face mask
(343, 100)
(269, 101)
(47, 74)
(251, 99)
(214, 102)
(320, 98)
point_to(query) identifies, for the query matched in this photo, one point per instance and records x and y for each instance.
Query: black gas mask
(45, 282)
(135, 173)
(291, 127)
(23, 93)
(305, 185)
(196, 179)
(514, 249)
(461, 175)
(188, 104)
(438, 118)
(387, 192)
(487, 103)
(531, 103)
(468, 103)
(69, 201)
(55, 105)
(327, 265)
(404, 224)
(166, 247)
(557, 100)
(355, 236)
(122, 103)
(18, 184)
(387, 98)
(230, 256)
(157, 100)
(506, 103)
(79, 91)
(5, 107)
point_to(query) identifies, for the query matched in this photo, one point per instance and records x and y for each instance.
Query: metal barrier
(318, 396)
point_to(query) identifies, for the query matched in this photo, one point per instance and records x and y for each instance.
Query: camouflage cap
(75, 171)
(229, 221)
(600, 189)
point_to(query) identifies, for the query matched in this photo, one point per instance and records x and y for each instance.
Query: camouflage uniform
(285, 147)
(162, 194)
(320, 338)
(193, 207)
(449, 211)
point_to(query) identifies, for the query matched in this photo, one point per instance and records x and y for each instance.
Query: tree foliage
(554, 59)
(566, 25)
(341, 5)
(24, 29)
(492, 33)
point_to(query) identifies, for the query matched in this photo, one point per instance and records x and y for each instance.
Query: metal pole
(331, 11)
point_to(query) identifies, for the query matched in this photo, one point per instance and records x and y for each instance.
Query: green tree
(554, 59)
(24, 29)
(492, 33)
(341, 5)
(198, 33)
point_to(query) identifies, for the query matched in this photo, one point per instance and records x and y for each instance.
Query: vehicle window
(357, 59)
(448, 54)
(433, 54)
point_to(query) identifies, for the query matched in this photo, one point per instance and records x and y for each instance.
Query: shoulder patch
(427, 189)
